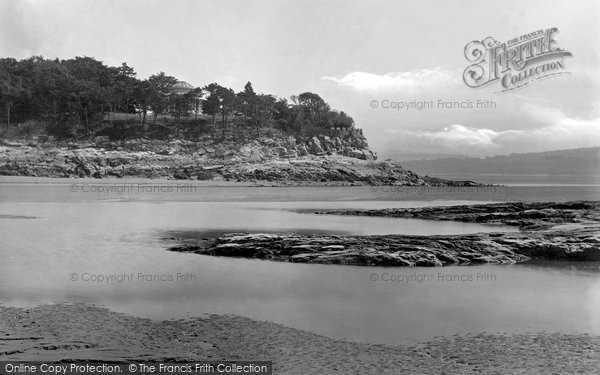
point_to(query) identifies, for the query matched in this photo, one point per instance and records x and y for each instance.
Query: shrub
(160, 132)
(205, 175)
(29, 129)
(60, 129)
(121, 132)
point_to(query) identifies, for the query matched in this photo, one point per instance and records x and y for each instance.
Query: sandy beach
(83, 332)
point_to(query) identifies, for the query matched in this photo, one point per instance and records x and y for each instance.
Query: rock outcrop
(579, 240)
(526, 215)
(278, 161)
(401, 250)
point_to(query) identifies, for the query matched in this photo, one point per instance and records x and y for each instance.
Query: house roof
(181, 87)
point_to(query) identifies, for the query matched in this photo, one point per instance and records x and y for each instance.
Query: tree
(11, 86)
(73, 94)
(161, 85)
(282, 114)
(88, 69)
(89, 99)
(122, 87)
(220, 100)
(228, 101)
(247, 101)
(143, 94)
(257, 109)
(263, 112)
(311, 114)
(281, 109)
(185, 103)
(211, 104)
(311, 100)
(93, 84)
(315, 107)
(341, 120)
(47, 80)
(197, 100)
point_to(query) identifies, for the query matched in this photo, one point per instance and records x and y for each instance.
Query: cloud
(559, 130)
(455, 138)
(556, 130)
(460, 136)
(411, 81)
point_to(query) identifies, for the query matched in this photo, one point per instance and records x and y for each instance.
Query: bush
(121, 132)
(160, 132)
(283, 125)
(270, 133)
(60, 129)
(205, 175)
(195, 128)
(29, 129)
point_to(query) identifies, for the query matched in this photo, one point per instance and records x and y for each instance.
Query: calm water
(112, 244)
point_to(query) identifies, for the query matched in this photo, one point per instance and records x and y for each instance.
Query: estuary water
(74, 241)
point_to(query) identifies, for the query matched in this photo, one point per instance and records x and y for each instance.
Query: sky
(352, 53)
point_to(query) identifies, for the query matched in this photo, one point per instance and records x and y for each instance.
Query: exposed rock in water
(526, 215)
(400, 250)
(578, 241)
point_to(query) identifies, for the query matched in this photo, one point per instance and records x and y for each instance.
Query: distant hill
(583, 164)
(404, 156)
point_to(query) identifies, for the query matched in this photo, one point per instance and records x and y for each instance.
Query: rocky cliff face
(276, 146)
(341, 159)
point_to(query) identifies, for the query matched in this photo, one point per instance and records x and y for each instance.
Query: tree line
(75, 94)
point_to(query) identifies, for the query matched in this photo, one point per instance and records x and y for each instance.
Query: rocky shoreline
(267, 160)
(525, 215)
(568, 231)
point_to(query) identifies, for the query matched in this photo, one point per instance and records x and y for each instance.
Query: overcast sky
(349, 52)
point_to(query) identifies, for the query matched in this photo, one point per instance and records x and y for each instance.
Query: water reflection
(575, 267)
(118, 238)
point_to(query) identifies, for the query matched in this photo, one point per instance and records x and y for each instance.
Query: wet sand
(83, 332)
